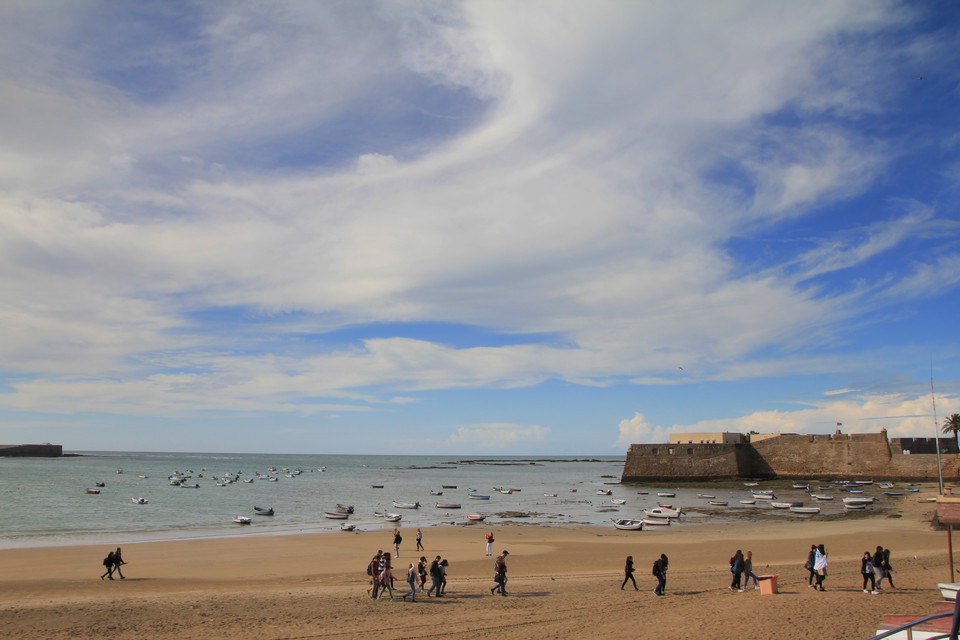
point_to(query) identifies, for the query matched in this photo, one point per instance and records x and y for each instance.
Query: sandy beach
(564, 583)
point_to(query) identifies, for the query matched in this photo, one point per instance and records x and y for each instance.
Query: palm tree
(952, 425)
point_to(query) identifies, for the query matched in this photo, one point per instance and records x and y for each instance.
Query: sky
(475, 228)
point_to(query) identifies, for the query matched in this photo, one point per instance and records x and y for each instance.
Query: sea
(44, 501)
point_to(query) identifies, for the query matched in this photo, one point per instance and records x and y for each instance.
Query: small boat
(448, 505)
(764, 496)
(272, 479)
(785, 505)
(863, 482)
(805, 509)
(662, 512)
(242, 520)
(508, 491)
(378, 514)
(184, 485)
(895, 494)
(573, 490)
(344, 508)
(854, 490)
(448, 486)
(347, 526)
(436, 493)
(718, 503)
(801, 485)
(655, 522)
(852, 507)
(376, 486)
(476, 496)
(392, 517)
(604, 492)
(751, 484)
(476, 517)
(885, 485)
(406, 505)
(247, 480)
(666, 494)
(549, 495)
(926, 499)
(629, 525)
(99, 484)
(748, 502)
(857, 500)
(820, 496)
(908, 490)
(335, 515)
(705, 496)
(618, 501)
(263, 511)
(138, 500)
(93, 491)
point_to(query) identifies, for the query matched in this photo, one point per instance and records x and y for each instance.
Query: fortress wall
(683, 461)
(818, 456)
(923, 466)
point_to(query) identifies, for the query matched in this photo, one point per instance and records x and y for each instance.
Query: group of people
(382, 577)
(659, 571)
(112, 563)
(397, 539)
(741, 568)
(874, 567)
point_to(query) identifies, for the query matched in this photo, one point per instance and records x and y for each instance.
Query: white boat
(857, 500)
(406, 505)
(549, 495)
(661, 512)
(751, 484)
(618, 501)
(392, 517)
(851, 507)
(785, 505)
(748, 502)
(242, 520)
(666, 494)
(448, 505)
(718, 503)
(344, 508)
(805, 509)
(820, 496)
(347, 526)
(184, 485)
(655, 522)
(604, 492)
(764, 496)
(863, 482)
(629, 525)
(263, 511)
(885, 485)
(476, 517)
(335, 515)
(801, 485)
(139, 500)
(705, 496)
(436, 493)
(378, 514)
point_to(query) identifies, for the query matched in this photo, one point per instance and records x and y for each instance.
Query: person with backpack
(660, 571)
(108, 562)
(736, 568)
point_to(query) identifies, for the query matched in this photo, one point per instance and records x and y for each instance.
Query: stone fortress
(717, 456)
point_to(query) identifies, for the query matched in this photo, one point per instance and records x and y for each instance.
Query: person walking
(434, 578)
(443, 576)
(736, 568)
(373, 570)
(660, 571)
(397, 539)
(109, 564)
(500, 574)
(117, 561)
(489, 539)
(386, 578)
(866, 570)
(420, 540)
(820, 566)
(422, 571)
(885, 565)
(628, 574)
(412, 576)
(809, 564)
(878, 566)
(748, 572)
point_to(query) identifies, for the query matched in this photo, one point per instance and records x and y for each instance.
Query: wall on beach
(794, 456)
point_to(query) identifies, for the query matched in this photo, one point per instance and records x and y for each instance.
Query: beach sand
(564, 583)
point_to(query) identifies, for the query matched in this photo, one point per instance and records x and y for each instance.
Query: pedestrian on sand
(500, 574)
(373, 570)
(809, 564)
(660, 571)
(628, 574)
(117, 561)
(108, 563)
(386, 578)
(736, 569)
(866, 570)
(748, 572)
(420, 540)
(885, 566)
(443, 576)
(422, 572)
(412, 576)
(820, 566)
(490, 543)
(434, 578)
(397, 539)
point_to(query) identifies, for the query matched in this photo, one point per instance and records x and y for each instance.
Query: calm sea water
(43, 501)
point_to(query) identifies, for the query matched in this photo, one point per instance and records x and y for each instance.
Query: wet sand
(564, 583)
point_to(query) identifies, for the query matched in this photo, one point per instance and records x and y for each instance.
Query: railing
(910, 625)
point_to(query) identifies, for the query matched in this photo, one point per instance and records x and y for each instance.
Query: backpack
(369, 568)
(108, 561)
(655, 567)
(398, 540)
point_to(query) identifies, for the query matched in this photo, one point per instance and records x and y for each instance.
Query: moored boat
(448, 486)
(344, 508)
(759, 495)
(820, 496)
(604, 492)
(805, 509)
(335, 515)
(242, 520)
(663, 512)
(705, 496)
(477, 496)
(476, 517)
(392, 517)
(717, 503)
(655, 522)
(858, 500)
(618, 501)
(138, 500)
(628, 525)
(785, 505)
(263, 511)
(93, 491)
(748, 502)
(448, 505)
(347, 526)
(406, 505)
(666, 494)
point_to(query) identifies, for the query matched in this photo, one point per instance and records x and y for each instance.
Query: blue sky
(475, 227)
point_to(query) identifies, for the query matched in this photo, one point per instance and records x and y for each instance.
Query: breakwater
(45, 450)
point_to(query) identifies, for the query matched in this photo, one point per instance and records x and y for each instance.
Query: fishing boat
(666, 494)
(476, 517)
(618, 501)
(655, 522)
(436, 493)
(820, 496)
(761, 495)
(448, 505)
(448, 486)
(629, 525)
(909, 490)
(863, 482)
(93, 491)
(894, 494)
(858, 506)
(376, 486)
(263, 511)
(801, 485)
(549, 495)
(885, 485)
(748, 502)
(378, 514)
(663, 512)
(504, 490)
(184, 485)
(604, 492)
(392, 517)
(477, 496)
(138, 500)
(335, 515)
(785, 505)
(857, 500)
(751, 484)
(99, 484)
(717, 503)
(705, 496)
(347, 526)
(242, 520)
(406, 505)
(344, 508)
(805, 509)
